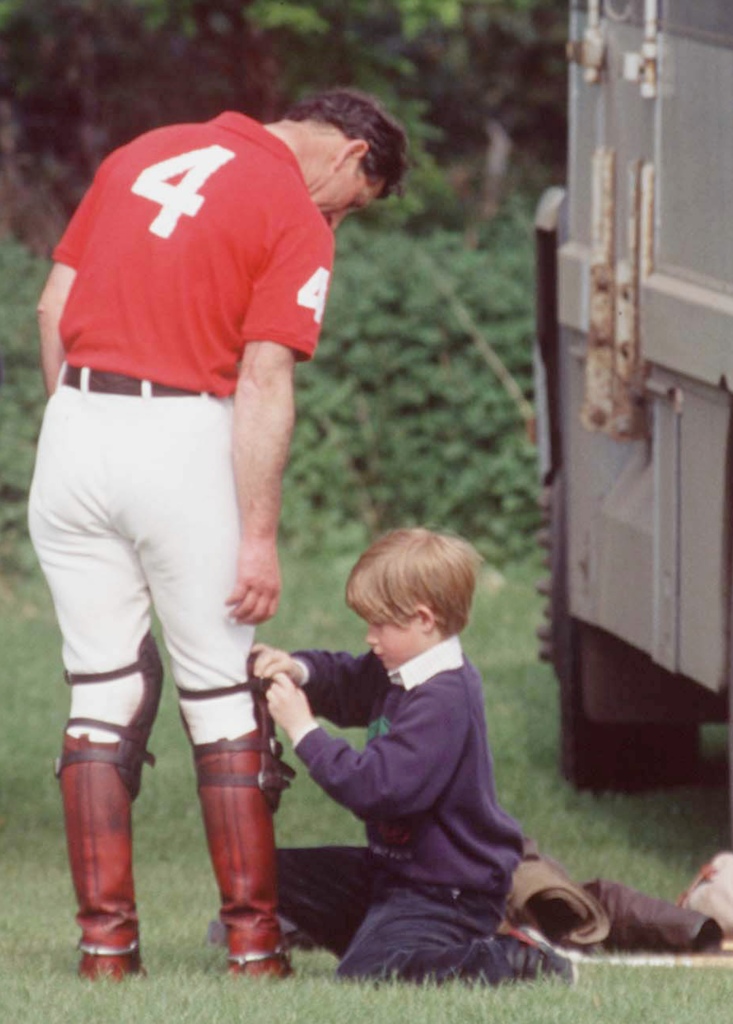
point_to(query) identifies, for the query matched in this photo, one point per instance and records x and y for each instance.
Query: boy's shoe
(532, 956)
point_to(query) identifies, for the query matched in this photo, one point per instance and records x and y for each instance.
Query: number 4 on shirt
(314, 292)
(193, 169)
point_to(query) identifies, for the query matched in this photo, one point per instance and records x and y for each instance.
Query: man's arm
(49, 311)
(264, 416)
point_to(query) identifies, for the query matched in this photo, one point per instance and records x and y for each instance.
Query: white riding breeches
(132, 503)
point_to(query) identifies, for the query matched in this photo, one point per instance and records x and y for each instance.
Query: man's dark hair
(360, 116)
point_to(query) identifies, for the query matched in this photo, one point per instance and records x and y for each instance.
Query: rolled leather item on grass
(545, 898)
(640, 922)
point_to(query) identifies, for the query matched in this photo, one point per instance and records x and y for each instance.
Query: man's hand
(270, 661)
(289, 707)
(256, 592)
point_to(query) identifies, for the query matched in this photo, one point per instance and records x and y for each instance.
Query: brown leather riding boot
(240, 835)
(97, 812)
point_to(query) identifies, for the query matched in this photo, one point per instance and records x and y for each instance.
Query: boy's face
(394, 644)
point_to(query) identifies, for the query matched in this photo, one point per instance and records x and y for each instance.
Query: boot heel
(100, 963)
(260, 965)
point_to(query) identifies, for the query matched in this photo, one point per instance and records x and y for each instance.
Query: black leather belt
(103, 382)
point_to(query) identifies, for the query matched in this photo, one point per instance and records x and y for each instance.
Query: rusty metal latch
(615, 371)
(628, 419)
(643, 67)
(597, 410)
(590, 51)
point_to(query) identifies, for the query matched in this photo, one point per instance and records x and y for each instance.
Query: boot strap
(274, 774)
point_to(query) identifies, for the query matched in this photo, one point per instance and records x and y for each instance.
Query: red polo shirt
(193, 240)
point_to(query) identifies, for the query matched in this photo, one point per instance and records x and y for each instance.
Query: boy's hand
(289, 707)
(269, 661)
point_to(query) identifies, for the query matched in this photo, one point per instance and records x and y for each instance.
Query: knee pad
(130, 752)
(221, 764)
(270, 774)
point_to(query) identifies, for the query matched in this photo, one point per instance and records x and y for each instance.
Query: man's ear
(353, 148)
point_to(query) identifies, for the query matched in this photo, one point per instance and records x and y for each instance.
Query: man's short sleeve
(289, 295)
(74, 239)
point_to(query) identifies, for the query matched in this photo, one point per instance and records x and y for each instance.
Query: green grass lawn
(653, 842)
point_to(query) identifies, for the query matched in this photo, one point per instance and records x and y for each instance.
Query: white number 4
(183, 197)
(314, 292)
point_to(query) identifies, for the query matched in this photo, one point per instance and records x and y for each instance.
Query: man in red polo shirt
(189, 282)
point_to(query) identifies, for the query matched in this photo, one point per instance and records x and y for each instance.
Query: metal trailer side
(635, 372)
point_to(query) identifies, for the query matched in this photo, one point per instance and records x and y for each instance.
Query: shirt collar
(444, 657)
(248, 128)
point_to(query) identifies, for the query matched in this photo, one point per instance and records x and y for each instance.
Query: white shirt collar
(445, 656)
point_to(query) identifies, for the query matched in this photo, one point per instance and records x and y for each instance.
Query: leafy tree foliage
(21, 395)
(79, 77)
(84, 77)
(401, 419)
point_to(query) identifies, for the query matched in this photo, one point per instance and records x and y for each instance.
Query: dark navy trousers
(381, 928)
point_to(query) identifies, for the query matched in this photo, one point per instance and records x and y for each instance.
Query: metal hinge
(643, 67)
(615, 371)
(590, 51)
(597, 409)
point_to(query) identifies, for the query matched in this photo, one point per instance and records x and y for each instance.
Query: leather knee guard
(240, 835)
(272, 775)
(240, 782)
(130, 752)
(97, 815)
(98, 782)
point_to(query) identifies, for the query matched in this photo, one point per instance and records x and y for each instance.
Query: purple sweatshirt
(424, 783)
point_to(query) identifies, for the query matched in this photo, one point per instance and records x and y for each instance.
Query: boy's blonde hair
(409, 567)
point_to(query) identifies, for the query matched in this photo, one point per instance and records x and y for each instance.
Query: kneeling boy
(424, 900)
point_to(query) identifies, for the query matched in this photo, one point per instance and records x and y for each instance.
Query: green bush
(401, 419)
(22, 396)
